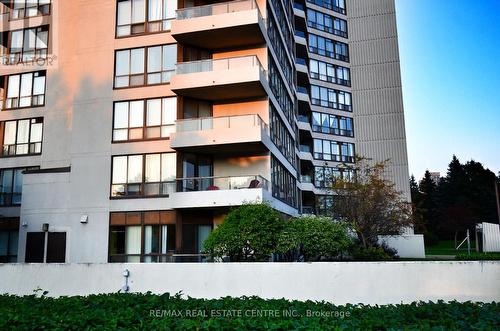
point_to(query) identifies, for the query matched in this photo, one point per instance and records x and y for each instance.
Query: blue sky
(450, 66)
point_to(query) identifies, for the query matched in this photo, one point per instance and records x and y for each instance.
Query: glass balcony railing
(197, 184)
(305, 148)
(216, 9)
(302, 89)
(306, 179)
(225, 122)
(219, 64)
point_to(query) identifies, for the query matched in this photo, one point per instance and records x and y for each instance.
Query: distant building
(436, 176)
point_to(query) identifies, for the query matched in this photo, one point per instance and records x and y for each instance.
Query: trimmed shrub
(165, 312)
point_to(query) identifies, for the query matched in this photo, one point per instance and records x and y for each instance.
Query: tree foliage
(370, 204)
(249, 233)
(311, 238)
(465, 196)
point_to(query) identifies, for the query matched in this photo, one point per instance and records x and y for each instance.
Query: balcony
(219, 191)
(220, 79)
(220, 25)
(221, 135)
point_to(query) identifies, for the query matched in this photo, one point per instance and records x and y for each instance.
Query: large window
(144, 119)
(284, 185)
(325, 22)
(337, 151)
(22, 137)
(325, 177)
(335, 5)
(281, 137)
(29, 8)
(330, 98)
(332, 124)
(280, 50)
(328, 47)
(324, 205)
(141, 236)
(280, 91)
(25, 90)
(143, 175)
(144, 16)
(329, 72)
(28, 44)
(9, 236)
(145, 66)
(11, 184)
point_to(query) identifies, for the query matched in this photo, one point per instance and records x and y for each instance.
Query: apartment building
(131, 127)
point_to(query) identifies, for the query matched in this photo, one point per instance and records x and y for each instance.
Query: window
(329, 72)
(337, 151)
(28, 44)
(324, 177)
(145, 66)
(141, 236)
(143, 175)
(9, 235)
(281, 137)
(335, 5)
(144, 16)
(284, 186)
(11, 184)
(332, 124)
(326, 97)
(8, 246)
(25, 90)
(30, 8)
(144, 119)
(280, 91)
(280, 50)
(324, 205)
(325, 22)
(22, 137)
(328, 47)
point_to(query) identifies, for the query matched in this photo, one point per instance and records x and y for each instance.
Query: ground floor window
(8, 245)
(141, 236)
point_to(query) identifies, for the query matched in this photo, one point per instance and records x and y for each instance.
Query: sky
(450, 67)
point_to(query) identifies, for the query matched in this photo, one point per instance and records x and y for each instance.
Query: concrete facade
(232, 66)
(336, 282)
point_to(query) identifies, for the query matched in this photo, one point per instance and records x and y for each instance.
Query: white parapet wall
(336, 282)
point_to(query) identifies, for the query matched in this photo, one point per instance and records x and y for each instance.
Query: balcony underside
(223, 38)
(221, 92)
(221, 31)
(233, 149)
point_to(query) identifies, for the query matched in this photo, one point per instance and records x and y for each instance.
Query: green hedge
(475, 256)
(136, 311)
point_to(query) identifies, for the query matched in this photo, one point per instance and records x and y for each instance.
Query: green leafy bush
(249, 233)
(475, 256)
(165, 312)
(313, 239)
(360, 253)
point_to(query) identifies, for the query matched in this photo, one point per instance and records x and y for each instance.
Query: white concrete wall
(337, 282)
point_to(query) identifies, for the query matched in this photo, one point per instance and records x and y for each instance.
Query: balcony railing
(306, 179)
(216, 9)
(302, 89)
(301, 61)
(197, 184)
(299, 33)
(298, 6)
(225, 122)
(219, 65)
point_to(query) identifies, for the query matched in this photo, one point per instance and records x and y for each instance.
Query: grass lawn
(447, 247)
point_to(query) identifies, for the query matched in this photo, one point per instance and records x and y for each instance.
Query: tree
(427, 203)
(370, 204)
(249, 233)
(313, 238)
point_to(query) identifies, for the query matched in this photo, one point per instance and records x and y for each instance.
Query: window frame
(327, 103)
(326, 77)
(20, 55)
(16, 144)
(11, 194)
(144, 126)
(330, 47)
(322, 26)
(7, 79)
(38, 6)
(146, 24)
(333, 144)
(145, 72)
(142, 224)
(337, 131)
(142, 185)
